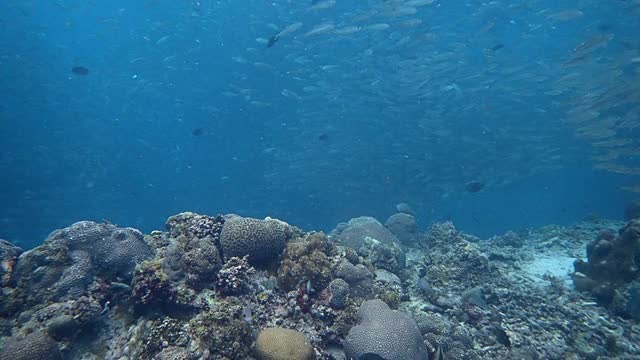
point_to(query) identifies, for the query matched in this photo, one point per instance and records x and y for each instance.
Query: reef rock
(383, 333)
(372, 240)
(404, 227)
(613, 262)
(261, 240)
(359, 278)
(8, 257)
(358, 229)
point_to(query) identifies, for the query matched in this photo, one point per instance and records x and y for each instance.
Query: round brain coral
(283, 344)
(261, 240)
(383, 333)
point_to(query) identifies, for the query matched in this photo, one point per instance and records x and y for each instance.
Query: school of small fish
(501, 92)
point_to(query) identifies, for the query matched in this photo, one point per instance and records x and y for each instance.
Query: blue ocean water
(185, 107)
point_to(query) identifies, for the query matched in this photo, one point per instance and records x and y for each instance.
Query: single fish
(198, 131)
(289, 29)
(474, 186)
(322, 4)
(163, 39)
(319, 29)
(272, 40)
(565, 15)
(80, 70)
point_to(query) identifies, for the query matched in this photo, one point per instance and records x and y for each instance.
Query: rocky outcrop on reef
(632, 210)
(405, 228)
(228, 287)
(373, 241)
(612, 270)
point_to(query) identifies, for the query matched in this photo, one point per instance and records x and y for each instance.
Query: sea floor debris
(198, 291)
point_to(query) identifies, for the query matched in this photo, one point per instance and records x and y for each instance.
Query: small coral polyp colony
(231, 287)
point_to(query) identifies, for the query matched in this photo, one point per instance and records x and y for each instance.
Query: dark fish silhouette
(80, 70)
(474, 186)
(497, 47)
(323, 137)
(197, 132)
(273, 40)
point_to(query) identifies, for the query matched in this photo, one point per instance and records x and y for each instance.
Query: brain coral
(262, 240)
(383, 333)
(283, 344)
(35, 346)
(114, 251)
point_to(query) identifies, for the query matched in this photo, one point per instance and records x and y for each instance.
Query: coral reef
(262, 240)
(196, 261)
(195, 225)
(283, 344)
(307, 260)
(151, 286)
(336, 294)
(223, 331)
(383, 333)
(185, 298)
(234, 278)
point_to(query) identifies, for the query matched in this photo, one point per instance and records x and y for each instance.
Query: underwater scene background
(319, 179)
(185, 107)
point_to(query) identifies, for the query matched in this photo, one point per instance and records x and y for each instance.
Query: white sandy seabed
(560, 266)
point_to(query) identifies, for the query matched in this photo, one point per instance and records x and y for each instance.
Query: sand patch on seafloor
(560, 266)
